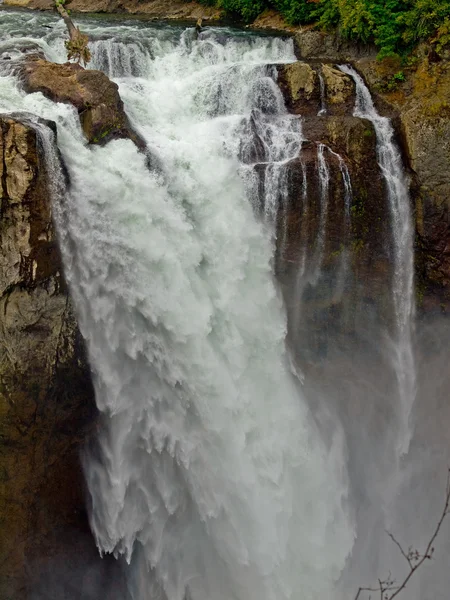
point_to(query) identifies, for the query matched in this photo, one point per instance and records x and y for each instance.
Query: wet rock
(356, 240)
(46, 397)
(339, 90)
(299, 83)
(95, 97)
(353, 138)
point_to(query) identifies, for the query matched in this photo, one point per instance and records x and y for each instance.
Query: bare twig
(414, 558)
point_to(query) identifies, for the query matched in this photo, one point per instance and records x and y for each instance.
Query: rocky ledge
(46, 396)
(95, 97)
(418, 100)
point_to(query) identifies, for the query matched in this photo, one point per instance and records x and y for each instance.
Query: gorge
(245, 233)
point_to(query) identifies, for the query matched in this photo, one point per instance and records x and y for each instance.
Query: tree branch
(412, 557)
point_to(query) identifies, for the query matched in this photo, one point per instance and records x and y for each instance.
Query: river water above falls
(225, 467)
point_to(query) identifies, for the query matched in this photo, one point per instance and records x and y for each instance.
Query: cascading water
(269, 140)
(391, 165)
(323, 106)
(311, 256)
(210, 476)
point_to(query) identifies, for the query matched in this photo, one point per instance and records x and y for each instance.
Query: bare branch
(406, 556)
(412, 557)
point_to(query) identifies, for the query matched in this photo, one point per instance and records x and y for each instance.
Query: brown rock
(46, 395)
(422, 103)
(339, 91)
(360, 244)
(311, 44)
(299, 83)
(95, 97)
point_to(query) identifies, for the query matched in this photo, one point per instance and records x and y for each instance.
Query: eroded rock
(311, 44)
(339, 90)
(299, 83)
(46, 396)
(301, 87)
(93, 94)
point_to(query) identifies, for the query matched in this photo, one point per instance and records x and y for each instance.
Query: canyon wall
(46, 396)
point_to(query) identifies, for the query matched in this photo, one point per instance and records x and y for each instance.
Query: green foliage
(77, 48)
(395, 26)
(298, 11)
(248, 10)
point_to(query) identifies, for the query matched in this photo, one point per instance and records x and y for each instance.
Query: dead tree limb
(77, 45)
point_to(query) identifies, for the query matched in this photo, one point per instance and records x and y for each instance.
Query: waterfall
(211, 476)
(391, 166)
(323, 106)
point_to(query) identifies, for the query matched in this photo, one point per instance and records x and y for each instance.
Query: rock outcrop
(300, 84)
(93, 94)
(311, 44)
(327, 238)
(46, 396)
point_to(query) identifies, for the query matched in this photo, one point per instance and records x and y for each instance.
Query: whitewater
(211, 475)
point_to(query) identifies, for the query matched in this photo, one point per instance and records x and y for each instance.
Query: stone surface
(46, 395)
(95, 97)
(300, 84)
(311, 44)
(339, 91)
(271, 20)
(362, 241)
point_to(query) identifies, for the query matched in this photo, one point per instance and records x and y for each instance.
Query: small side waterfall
(390, 162)
(324, 184)
(323, 105)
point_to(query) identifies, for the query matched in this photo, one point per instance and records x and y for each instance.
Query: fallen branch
(77, 45)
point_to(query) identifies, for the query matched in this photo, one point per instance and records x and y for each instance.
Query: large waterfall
(218, 473)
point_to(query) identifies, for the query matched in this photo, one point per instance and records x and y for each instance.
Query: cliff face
(345, 279)
(418, 100)
(46, 395)
(421, 103)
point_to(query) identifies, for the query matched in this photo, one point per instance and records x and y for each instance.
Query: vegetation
(395, 26)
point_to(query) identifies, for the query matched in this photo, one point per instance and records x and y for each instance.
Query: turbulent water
(217, 474)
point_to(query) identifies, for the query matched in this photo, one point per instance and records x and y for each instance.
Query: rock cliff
(46, 396)
(420, 100)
